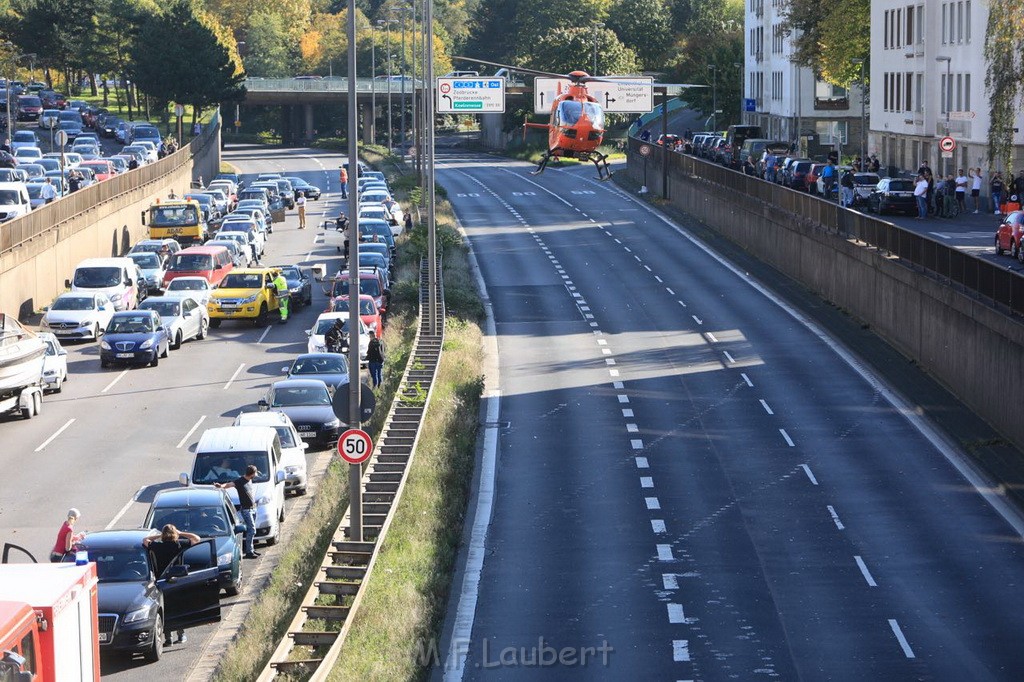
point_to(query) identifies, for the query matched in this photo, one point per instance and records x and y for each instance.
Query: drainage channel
(317, 632)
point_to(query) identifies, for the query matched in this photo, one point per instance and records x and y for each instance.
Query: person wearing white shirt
(961, 190)
(47, 192)
(921, 196)
(976, 189)
(300, 204)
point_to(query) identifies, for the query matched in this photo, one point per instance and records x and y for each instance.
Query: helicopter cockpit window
(569, 113)
(595, 114)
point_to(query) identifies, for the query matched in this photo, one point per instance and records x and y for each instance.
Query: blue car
(134, 337)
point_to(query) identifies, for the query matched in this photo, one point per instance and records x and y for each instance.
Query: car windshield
(320, 364)
(51, 349)
(242, 281)
(98, 277)
(901, 186)
(191, 261)
(186, 284)
(73, 303)
(164, 216)
(205, 522)
(24, 136)
(130, 324)
(285, 434)
(35, 190)
(296, 396)
(322, 326)
(146, 260)
(366, 306)
(120, 565)
(871, 180)
(9, 197)
(217, 467)
(169, 308)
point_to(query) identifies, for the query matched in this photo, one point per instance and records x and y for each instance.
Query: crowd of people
(947, 197)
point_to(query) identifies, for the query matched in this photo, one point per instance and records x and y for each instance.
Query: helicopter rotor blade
(519, 69)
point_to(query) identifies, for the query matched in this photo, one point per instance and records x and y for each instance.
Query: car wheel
(234, 588)
(104, 364)
(96, 332)
(263, 319)
(177, 341)
(999, 247)
(214, 322)
(60, 385)
(300, 491)
(167, 350)
(1020, 254)
(203, 328)
(156, 359)
(156, 649)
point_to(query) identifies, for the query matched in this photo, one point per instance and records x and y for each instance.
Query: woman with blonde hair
(165, 548)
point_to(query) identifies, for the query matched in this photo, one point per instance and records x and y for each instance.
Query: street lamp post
(598, 25)
(390, 57)
(9, 46)
(714, 96)
(948, 97)
(739, 67)
(863, 116)
(401, 135)
(373, 82)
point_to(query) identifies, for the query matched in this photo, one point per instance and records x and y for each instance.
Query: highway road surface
(113, 438)
(684, 479)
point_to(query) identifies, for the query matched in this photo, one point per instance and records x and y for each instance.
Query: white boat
(22, 354)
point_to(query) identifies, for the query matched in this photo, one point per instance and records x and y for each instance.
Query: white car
(245, 227)
(55, 363)
(23, 138)
(317, 344)
(151, 150)
(147, 154)
(182, 315)
(374, 196)
(293, 448)
(78, 315)
(242, 242)
(197, 288)
(27, 154)
(377, 211)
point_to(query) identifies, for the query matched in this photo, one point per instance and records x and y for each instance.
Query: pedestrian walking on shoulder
(847, 187)
(921, 196)
(976, 189)
(875, 164)
(375, 360)
(165, 548)
(66, 536)
(961, 189)
(247, 504)
(300, 205)
(997, 187)
(343, 177)
(408, 221)
(47, 191)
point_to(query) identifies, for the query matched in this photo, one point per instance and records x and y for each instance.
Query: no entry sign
(355, 446)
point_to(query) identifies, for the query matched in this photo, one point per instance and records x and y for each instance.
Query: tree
(689, 64)
(828, 36)
(570, 49)
(57, 31)
(1003, 79)
(643, 26)
(268, 48)
(123, 20)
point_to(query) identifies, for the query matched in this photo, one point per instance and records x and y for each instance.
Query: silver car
(182, 315)
(153, 268)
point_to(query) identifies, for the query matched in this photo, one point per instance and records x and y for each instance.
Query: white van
(14, 201)
(223, 454)
(116, 278)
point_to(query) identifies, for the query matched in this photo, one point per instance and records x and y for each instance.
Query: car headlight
(319, 348)
(44, 323)
(138, 614)
(263, 501)
(225, 559)
(49, 373)
(104, 345)
(85, 323)
(332, 424)
(293, 469)
(250, 299)
(148, 343)
(115, 297)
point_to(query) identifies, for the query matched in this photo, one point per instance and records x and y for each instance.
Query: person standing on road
(281, 285)
(47, 192)
(847, 185)
(996, 186)
(828, 178)
(375, 360)
(976, 189)
(343, 176)
(334, 339)
(408, 220)
(66, 536)
(247, 504)
(165, 548)
(921, 197)
(74, 181)
(961, 190)
(949, 197)
(300, 205)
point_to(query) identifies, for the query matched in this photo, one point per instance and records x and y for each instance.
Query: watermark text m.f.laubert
(486, 654)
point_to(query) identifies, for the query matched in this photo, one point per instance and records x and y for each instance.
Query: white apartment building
(789, 99)
(928, 65)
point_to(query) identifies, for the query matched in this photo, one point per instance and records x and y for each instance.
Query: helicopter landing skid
(600, 162)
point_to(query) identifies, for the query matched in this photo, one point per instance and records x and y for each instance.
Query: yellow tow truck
(245, 294)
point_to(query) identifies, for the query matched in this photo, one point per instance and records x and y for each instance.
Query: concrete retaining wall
(93, 223)
(968, 345)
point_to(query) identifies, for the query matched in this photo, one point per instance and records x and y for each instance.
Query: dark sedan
(308, 190)
(892, 195)
(330, 368)
(136, 606)
(134, 337)
(299, 284)
(307, 402)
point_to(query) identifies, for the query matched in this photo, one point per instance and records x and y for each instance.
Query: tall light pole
(373, 81)
(863, 116)
(390, 57)
(10, 126)
(598, 25)
(948, 104)
(402, 11)
(739, 67)
(714, 96)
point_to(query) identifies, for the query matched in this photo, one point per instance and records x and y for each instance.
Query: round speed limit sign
(355, 446)
(645, 149)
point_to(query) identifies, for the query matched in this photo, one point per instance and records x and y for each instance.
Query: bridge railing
(378, 85)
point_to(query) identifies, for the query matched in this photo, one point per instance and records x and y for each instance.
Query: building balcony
(831, 103)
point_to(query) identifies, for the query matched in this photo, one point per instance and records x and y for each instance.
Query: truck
(179, 219)
(49, 623)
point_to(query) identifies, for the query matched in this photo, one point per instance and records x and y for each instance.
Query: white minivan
(14, 201)
(116, 278)
(223, 454)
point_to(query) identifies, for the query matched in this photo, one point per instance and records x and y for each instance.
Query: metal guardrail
(347, 566)
(55, 215)
(987, 280)
(340, 85)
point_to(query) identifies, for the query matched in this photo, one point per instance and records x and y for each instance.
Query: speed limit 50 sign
(355, 446)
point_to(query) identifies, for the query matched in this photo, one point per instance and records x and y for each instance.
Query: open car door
(190, 587)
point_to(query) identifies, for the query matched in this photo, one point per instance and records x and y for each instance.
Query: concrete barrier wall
(94, 223)
(973, 349)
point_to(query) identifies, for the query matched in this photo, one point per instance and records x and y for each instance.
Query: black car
(892, 195)
(136, 606)
(208, 513)
(7, 160)
(308, 190)
(330, 368)
(108, 126)
(307, 402)
(299, 284)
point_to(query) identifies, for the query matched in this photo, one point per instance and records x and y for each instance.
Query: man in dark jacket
(334, 339)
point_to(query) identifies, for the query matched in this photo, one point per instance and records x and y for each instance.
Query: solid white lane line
(670, 581)
(642, 463)
(636, 444)
(747, 379)
(234, 376)
(728, 357)
(627, 413)
(765, 406)
(55, 434)
(865, 572)
(623, 399)
(835, 517)
(190, 432)
(675, 613)
(896, 630)
(680, 650)
(789, 441)
(658, 526)
(116, 379)
(124, 509)
(646, 482)
(632, 428)
(807, 470)
(665, 553)
(652, 503)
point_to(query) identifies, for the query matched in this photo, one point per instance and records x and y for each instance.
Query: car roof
(268, 418)
(140, 311)
(235, 438)
(116, 539)
(297, 383)
(193, 496)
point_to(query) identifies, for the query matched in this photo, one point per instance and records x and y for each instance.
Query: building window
(944, 23)
(830, 132)
(967, 19)
(959, 92)
(919, 93)
(885, 33)
(919, 17)
(967, 92)
(910, 25)
(908, 85)
(960, 22)
(944, 95)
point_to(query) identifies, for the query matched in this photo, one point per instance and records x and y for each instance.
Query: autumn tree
(268, 52)
(643, 26)
(1003, 80)
(826, 37)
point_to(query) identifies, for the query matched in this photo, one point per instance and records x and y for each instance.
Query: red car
(1009, 235)
(368, 311)
(103, 169)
